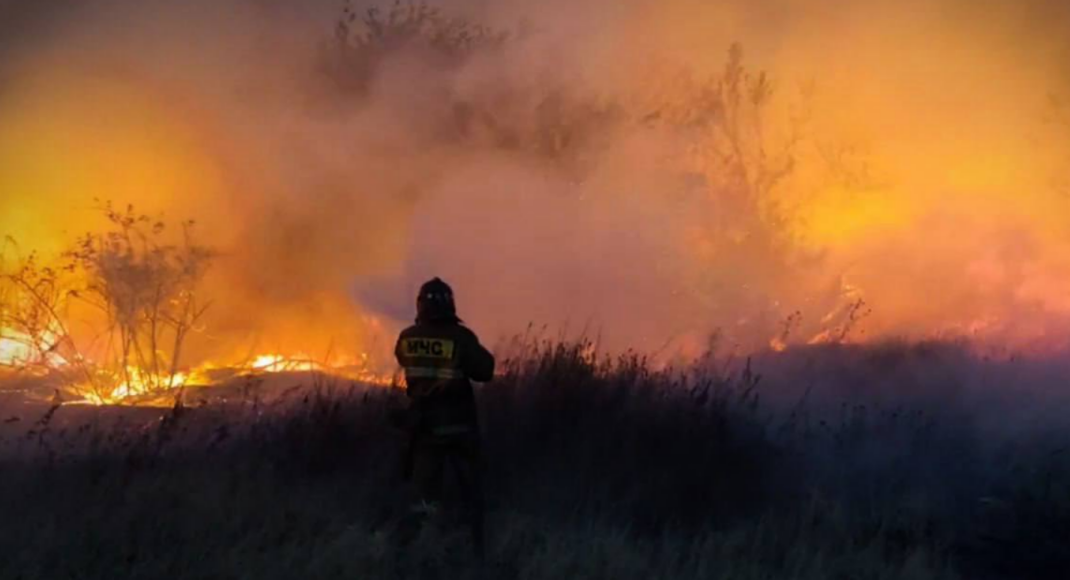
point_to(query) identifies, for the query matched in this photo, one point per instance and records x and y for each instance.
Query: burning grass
(109, 321)
(599, 468)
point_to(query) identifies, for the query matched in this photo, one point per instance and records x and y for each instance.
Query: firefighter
(440, 357)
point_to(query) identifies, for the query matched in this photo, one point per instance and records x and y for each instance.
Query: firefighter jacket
(440, 361)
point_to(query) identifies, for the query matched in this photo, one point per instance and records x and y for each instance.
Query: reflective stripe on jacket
(440, 360)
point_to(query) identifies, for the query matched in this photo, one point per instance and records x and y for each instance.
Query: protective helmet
(435, 303)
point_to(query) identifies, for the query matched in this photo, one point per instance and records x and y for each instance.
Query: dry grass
(599, 469)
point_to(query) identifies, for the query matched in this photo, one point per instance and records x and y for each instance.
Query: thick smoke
(924, 182)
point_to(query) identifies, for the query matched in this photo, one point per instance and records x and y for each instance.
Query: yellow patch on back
(437, 348)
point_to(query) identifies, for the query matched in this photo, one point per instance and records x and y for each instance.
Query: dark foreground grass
(597, 469)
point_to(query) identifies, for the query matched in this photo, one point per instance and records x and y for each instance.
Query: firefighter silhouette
(440, 357)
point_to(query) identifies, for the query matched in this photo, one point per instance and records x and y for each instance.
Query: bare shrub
(34, 299)
(728, 116)
(147, 288)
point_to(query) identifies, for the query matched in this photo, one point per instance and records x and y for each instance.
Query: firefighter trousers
(432, 460)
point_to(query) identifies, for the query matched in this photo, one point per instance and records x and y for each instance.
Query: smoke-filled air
(664, 176)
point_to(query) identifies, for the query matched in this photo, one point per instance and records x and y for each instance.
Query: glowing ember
(13, 351)
(266, 361)
(277, 363)
(18, 349)
(147, 389)
(139, 384)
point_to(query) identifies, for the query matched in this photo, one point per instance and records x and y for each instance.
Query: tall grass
(598, 468)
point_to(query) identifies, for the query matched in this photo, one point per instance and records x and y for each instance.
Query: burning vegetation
(135, 290)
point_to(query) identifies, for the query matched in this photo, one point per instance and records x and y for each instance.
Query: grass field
(881, 462)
